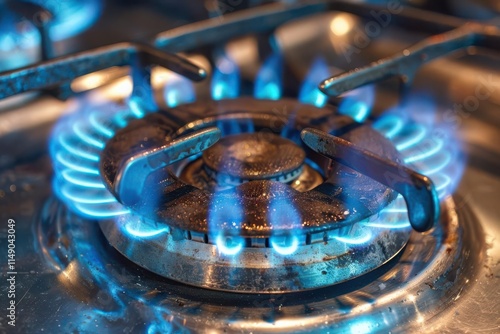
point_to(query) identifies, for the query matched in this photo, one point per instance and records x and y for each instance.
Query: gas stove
(237, 166)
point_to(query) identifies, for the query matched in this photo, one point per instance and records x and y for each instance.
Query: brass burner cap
(254, 156)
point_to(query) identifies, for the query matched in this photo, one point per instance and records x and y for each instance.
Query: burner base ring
(409, 292)
(261, 265)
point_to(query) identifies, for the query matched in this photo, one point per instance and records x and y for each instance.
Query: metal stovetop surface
(70, 279)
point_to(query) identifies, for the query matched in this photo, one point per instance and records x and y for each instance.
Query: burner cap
(254, 156)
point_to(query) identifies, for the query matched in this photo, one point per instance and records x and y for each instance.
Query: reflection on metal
(225, 263)
(341, 24)
(438, 266)
(439, 254)
(97, 79)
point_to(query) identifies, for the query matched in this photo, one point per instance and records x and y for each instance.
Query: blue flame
(162, 327)
(282, 212)
(229, 245)
(73, 193)
(76, 144)
(414, 134)
(99, 123)
(225, 79)
(136, 227)
(71, 17)
(79, 139)
(178, 90)
(427, 146)
(285, 245)
(19, 41)
(99, 211)
(394, 216)
(358, 103)
(389, 125)
(360, 238)
(225, 209)
(134, 103)
(309, 92)
(268, 83)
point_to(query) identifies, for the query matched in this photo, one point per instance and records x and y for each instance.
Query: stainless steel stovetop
(200, 181)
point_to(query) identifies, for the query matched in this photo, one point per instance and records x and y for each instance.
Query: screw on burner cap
(254, 156)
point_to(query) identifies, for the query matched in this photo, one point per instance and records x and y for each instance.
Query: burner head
(253, 156)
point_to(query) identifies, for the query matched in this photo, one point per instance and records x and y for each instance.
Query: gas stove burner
(134, 169)
(248, 235)
(240, 158)
(313, 229)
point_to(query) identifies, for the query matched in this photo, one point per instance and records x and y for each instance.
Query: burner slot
(346, 233)
(316, 237)
(198, 237)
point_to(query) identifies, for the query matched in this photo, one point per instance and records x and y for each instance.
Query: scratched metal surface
(66, 284)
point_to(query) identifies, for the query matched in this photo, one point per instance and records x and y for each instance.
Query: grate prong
(131, 177)
(61, 70)
(405, 64)
(417, 189)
